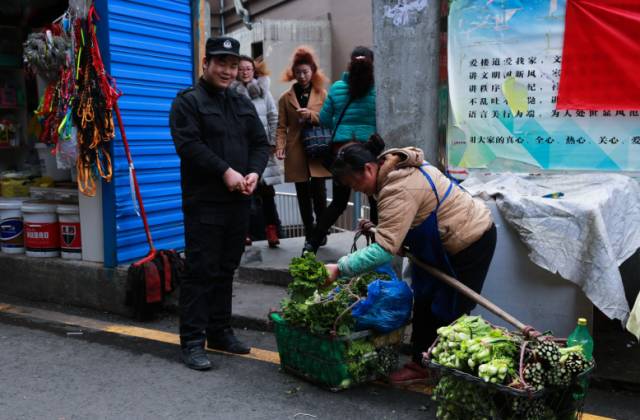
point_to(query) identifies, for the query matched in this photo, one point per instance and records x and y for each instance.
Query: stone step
(252, 304)
(261, 264)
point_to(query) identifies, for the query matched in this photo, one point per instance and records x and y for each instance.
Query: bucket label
(42, 237)
(11, 230)
(71, 240)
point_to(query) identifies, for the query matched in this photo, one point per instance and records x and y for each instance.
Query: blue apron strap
(455, 181)
(448, 191)
(433, 185)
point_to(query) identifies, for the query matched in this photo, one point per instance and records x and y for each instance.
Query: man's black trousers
(214, 236)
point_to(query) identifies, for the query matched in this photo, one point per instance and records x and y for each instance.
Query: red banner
(601, 56)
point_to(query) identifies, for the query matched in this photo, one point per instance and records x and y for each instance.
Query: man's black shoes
(309, 247)
(194, 355)
(226, 340)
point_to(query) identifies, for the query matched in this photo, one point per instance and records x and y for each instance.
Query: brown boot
(272, 236)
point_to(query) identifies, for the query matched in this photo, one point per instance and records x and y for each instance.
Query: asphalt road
(48, 371)
(46, 374)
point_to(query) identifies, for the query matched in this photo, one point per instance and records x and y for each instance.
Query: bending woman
(421, 210)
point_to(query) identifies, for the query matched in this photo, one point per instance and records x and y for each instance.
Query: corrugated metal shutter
(150, 56)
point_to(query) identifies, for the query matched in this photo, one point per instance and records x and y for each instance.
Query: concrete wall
(351, 25)
(280, 38)
(407, 74)
(351, 22)
(532, 294)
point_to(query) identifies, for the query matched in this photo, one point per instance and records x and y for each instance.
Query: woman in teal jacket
(355, 96)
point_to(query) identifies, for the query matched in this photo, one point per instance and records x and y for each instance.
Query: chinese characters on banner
(504, 68)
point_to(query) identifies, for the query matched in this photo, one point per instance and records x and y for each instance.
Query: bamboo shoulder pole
(470, 293)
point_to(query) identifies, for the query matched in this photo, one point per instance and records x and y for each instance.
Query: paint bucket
(11, 226)
(41, 229)
(70, 237)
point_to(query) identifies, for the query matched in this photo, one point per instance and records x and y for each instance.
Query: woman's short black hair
(353, 157)
(360, 72)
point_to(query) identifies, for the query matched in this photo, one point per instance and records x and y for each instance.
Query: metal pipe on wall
(222, 31)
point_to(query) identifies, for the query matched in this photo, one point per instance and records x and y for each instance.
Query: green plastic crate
(323, 359)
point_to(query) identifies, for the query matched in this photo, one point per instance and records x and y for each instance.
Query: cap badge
(227, 44)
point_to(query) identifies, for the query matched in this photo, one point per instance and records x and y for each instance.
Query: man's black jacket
(214, 130)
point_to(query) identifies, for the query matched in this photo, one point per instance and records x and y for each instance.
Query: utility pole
(406, 35)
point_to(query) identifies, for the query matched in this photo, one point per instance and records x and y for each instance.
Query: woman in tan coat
(298, 107)
(421, 210)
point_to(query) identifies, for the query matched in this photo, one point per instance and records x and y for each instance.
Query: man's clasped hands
(236, 182)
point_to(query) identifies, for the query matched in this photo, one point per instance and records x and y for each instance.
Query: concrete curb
(67, 282)
(264, 275)
(90, 285)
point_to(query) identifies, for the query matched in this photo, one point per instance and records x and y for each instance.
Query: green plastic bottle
(581, 336)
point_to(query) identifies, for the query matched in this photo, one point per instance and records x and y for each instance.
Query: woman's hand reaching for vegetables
(333, 271)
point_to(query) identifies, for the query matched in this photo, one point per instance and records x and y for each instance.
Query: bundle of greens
(325, 309)
(319, 307)
(473, 346)
(308, 275)
(462, 400)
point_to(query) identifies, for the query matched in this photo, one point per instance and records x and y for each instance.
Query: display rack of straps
(93, 110)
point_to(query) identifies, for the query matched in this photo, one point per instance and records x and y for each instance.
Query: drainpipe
(222, 31)
(240, 9)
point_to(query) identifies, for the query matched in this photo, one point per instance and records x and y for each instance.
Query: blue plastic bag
(387, 306)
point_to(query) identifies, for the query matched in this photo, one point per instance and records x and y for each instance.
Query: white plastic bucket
(11, 226)
(48, 165)
(70, 233)
(41, 229)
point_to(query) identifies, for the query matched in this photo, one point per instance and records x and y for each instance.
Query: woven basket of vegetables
(316, 332)
(491, 373)
(335, 362)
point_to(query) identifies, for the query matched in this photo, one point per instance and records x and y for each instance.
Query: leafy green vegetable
(317, 307)
(308, 274)
(473, 346)
(459, 399)
(362, 359)
(323, 309)
(471, 342)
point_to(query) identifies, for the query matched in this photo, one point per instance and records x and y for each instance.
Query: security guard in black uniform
(223, 148)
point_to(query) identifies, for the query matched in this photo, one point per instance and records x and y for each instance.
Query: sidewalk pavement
(259, 286)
